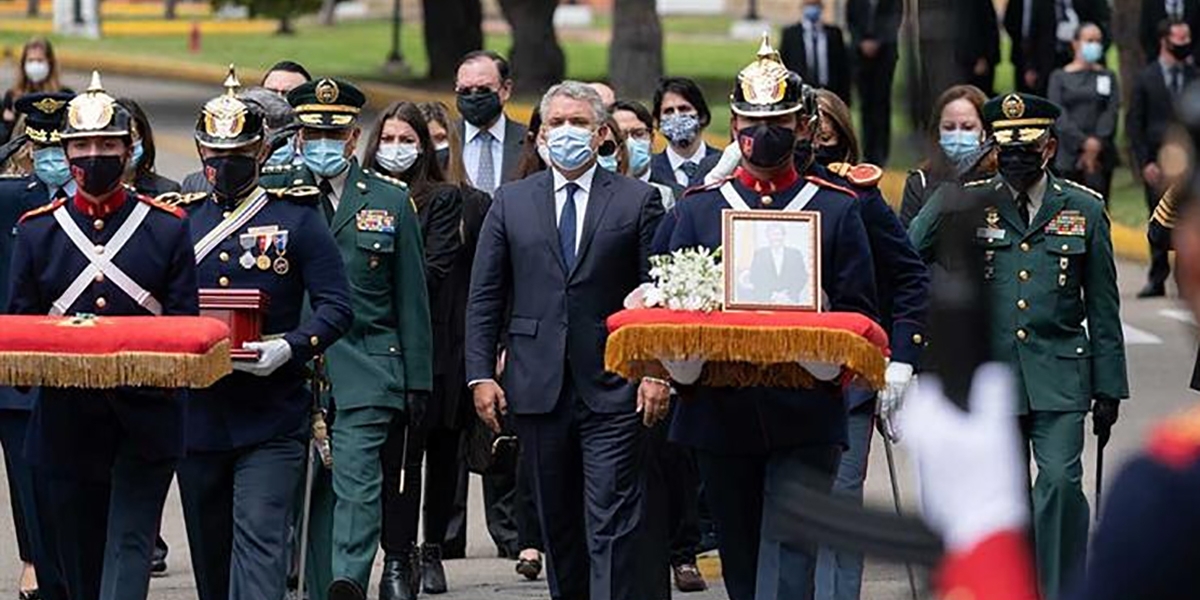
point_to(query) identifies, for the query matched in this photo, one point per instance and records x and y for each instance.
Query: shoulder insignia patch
(45, 209)
(704, 187)
(1176, 443)
(273, 169)
(977, 183)
(302, 194)
(12, 175)
(163, 206)
(178, 199)
(833, 186)
(1080, 186)
(387, 178)
(865, 175)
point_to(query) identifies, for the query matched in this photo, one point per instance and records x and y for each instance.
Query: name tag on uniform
(1104, 85)
(1068, 222)
(991, 234)
(380, 221)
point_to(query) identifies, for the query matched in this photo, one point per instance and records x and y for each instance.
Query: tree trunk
(169, 10)
(635, 56)
(327, 12)
(452, 29)
(31, 9)
(537, 59)
(1129, 50)
(285, 26)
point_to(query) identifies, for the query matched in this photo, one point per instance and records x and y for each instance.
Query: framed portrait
(772, 260)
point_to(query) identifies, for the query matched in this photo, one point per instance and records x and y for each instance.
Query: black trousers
(875, 76)
(1160, 266)
(35, 543)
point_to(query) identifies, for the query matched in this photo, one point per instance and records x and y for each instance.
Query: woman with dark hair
(140, 172)
(400, 146)
(612, 153)
(835, 140)
(448, 146)
(533, 151)
(961, 155)
(37, 72)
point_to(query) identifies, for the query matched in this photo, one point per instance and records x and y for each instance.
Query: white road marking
(1139, 337)
(1178, 314)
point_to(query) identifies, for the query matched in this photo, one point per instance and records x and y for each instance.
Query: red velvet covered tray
(104, 352)
(746, 348)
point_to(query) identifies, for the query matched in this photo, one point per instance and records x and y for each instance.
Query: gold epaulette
(387, 178)
(704, 187)
(1080, 186)
(1177, 441)
(180, 199)
(276, 169)
(864, 175)
(44, 209)
(298, 193)
(1164, 211)
(977, 182)
(830, 185)
(163, 206)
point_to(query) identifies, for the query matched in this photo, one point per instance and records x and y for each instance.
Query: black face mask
(1021, 168)
(98, 175)
(803, 155)
(767, 146)
(231, 175)
(827, 155)
(443, 158)
(1180, 52)
(479, 108)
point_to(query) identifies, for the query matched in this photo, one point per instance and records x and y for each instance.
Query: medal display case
(242, 311)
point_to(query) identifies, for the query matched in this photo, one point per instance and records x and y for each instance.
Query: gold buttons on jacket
(1024, 246)
(1079, 350)
(99, 249)
(1022, 304)
(223, 281)
(98, 224)
(1023, 275)
(314, 340)
(1022, 335)
(224, 256)
(99, 278)
(1065, 247)
(918, 339)
(101, 302)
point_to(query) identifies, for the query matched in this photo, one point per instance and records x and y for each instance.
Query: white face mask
(36, 71)
(397, 158)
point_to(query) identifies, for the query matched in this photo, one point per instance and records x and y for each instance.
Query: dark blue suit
(113, 447)
(748, 439)
(577, 422)
(247, 434)
(661, 172)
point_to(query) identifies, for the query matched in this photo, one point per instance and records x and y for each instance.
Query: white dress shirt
(677, 161)
(581, 198)
(816, 52)
(338, 183)
(474, 147)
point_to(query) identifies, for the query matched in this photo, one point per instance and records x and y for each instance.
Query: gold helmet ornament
(766, 88)
(227, 122)
(94, 113)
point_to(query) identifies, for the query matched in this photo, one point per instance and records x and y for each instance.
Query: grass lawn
(696, 48)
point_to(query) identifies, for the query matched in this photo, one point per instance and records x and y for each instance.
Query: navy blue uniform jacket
(242, 409)
(558, 318)
(759, 420)
(78, 431)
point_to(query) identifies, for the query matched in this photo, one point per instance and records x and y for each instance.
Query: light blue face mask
(570, 146)
(959, 143)
(609, 162)
(812, 13)
(50, 165)
(325, 157)
(1092, 52)
(136, 158)
(639, 156)
(284, 155)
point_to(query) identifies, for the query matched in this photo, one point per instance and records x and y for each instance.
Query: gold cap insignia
(49, 105)
(764, 81)
(91, 110)
(225, 115)
(1013, 107)
(326, 91)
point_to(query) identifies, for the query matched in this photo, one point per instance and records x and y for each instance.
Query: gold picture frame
(772, 260)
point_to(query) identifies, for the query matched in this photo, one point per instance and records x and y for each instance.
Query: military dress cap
(94, 113)
(327, 103)
(228, 122)
(1019, 118)
(44, 115)
(766, 88)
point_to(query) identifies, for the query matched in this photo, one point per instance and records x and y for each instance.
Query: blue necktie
(566, 228)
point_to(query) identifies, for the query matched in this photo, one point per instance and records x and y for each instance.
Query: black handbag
(487, 451)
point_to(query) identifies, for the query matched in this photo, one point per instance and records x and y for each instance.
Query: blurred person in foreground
(957, 150)
(1048, 267)
(1090, 98)
(972, 477)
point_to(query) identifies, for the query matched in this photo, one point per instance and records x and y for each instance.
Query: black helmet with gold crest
(226, 122)
(95, 114)
(766, 88)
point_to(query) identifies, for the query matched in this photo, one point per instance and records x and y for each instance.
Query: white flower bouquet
(686, 279)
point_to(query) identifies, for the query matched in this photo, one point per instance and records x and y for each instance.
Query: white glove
(730, 159)
(897, 378)
(272, 354)
(970, 468)
(637, 298)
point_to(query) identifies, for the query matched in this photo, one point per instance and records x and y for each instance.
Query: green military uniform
(1046, 277)
(381, 363)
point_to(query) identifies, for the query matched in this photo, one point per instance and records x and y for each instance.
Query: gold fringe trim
(742, 356)
(139, 369)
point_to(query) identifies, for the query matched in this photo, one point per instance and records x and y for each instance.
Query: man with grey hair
(561, 249)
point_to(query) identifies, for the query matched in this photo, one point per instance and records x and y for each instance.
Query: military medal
(281, 264)
(246, 241)
(263, 262)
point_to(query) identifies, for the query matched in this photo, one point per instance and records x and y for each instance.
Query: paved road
(1161, 349)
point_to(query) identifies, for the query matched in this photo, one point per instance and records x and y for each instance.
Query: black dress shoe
(158, 561)
(433, 576)
(346, 589)
(29, 595)
(1152, 291)
(398, 580)
(531, 568)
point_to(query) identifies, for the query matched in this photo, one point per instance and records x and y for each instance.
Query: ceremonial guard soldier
(109, 454)
(1049, 267)
(382, 371)
(751, 441)
(248, 434)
